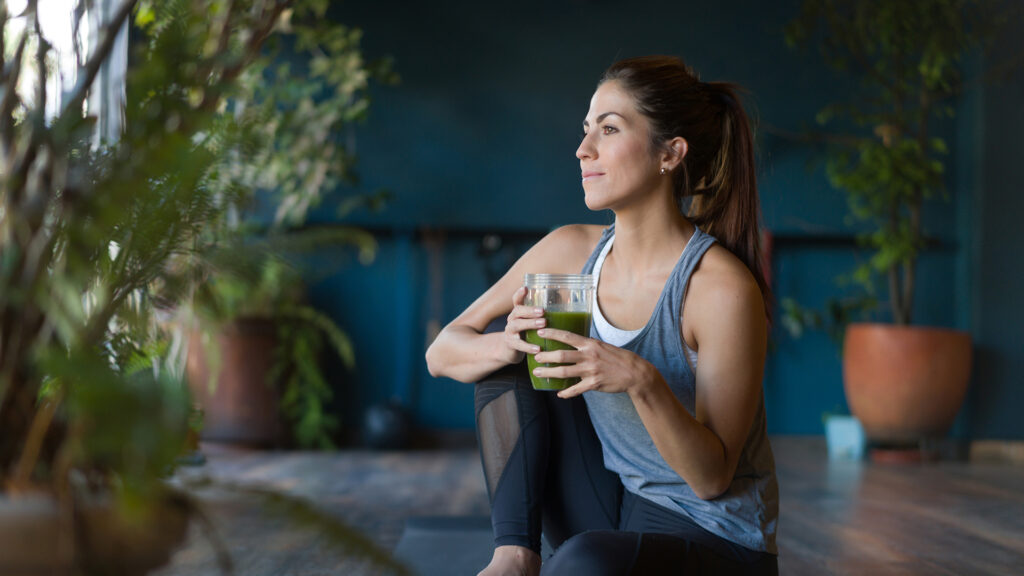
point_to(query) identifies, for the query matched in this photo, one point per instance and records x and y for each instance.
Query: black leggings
(544, 468)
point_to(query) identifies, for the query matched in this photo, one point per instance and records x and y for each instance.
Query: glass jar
(567, 301)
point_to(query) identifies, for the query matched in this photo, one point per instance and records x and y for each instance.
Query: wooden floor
(842, 518)
(880, 519)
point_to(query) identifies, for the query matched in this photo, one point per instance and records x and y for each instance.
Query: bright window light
(56, 21)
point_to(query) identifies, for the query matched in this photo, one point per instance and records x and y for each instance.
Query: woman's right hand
(522, 318)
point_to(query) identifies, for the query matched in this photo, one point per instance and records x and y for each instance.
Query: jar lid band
(566, 280)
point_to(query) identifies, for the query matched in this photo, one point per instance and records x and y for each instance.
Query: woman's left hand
(600, 366)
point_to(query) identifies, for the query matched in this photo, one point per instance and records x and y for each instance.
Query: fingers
(560, 357)
(515, 342)
(570, 371)
(525, 318)
(522, 318)
(570, 338)
(575, 389)
(570, 359)
(518, 296)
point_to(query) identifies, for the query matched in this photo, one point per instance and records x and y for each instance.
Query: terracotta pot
(905, 383)
(28, 542)
(106, 541)
(240, 405)
(134, 543)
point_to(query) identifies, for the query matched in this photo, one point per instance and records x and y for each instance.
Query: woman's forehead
(610, 98)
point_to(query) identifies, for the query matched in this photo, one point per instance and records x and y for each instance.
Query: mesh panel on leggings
(498, 425)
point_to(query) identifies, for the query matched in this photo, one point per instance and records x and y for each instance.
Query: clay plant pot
(105, 540)
(240, 406)
(905, 383)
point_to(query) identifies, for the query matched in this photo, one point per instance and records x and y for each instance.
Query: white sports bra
(617, 336)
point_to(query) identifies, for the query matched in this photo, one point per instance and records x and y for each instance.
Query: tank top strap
(670, 307)
(606, 234)
(675, 290)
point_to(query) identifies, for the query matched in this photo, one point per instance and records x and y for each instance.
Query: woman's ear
(676, 151)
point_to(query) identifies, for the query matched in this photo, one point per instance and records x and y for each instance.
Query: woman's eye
(609, 129)
(582, 136)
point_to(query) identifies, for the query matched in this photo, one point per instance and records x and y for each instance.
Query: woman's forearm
(462, 353)
(694, 451)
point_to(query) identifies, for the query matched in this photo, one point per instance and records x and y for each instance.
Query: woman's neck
(649, 236)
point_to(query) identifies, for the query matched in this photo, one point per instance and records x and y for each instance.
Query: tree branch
(212, 97)
(41, 49)
(3, 37)
(10, 99)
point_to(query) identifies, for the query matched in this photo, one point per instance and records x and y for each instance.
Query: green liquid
(578, 322)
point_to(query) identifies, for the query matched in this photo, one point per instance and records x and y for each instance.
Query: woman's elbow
(434, 364)
(712, 489)
(431, 368)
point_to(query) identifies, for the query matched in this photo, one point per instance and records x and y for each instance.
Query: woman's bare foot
(513, 561)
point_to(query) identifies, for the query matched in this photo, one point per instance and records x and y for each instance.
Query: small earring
(662, 171)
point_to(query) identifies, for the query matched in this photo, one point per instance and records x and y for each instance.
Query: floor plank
(836, 518)
(868, 518)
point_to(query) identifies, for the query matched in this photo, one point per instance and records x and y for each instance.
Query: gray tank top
(747, 513)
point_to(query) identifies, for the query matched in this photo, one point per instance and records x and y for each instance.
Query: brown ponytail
(716, 184)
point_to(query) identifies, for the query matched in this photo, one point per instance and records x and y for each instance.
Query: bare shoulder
(562, 251)
(566, 249)
(722, 284)
(579, 236)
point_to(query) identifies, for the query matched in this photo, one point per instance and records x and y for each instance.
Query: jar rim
(568, 280)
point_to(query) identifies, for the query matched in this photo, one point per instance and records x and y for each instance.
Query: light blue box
(845, 438)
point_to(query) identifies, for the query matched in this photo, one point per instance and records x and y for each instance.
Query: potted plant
(255, 355)
(96, 242)
(904, 382)
(254, 350)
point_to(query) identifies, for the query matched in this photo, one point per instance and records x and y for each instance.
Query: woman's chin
(594, 202)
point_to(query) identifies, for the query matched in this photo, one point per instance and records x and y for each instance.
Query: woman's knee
(595, 553)
(514, 379)
(511, 377)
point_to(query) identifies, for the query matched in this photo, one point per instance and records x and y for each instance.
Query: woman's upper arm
(726, 313)
(562, 251)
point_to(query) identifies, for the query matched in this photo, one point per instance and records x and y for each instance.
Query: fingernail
(539, 322)
(539, 311)
(542, 332)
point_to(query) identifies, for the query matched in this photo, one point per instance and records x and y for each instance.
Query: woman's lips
(589, 175)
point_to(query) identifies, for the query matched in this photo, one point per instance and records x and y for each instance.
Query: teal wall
(996, 251)
(483, 129)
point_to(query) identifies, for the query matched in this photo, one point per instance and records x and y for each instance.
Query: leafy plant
(277, 146)
(907, 59)
(796, 319)
(272, 288)
(99, 242)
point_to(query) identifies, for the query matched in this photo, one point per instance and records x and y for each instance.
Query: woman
(657, 461)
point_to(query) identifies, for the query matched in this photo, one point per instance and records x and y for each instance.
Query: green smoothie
(578, 322)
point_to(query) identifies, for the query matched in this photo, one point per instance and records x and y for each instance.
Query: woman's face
(615, 155)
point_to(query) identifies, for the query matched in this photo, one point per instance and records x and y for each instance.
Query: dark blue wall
(997, 248)
(483, 129)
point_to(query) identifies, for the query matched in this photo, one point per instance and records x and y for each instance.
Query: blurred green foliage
(908, 60)
(282, 138)
(100, 245)
(262, 283)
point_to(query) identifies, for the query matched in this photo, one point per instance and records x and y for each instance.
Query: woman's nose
(585, 150)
